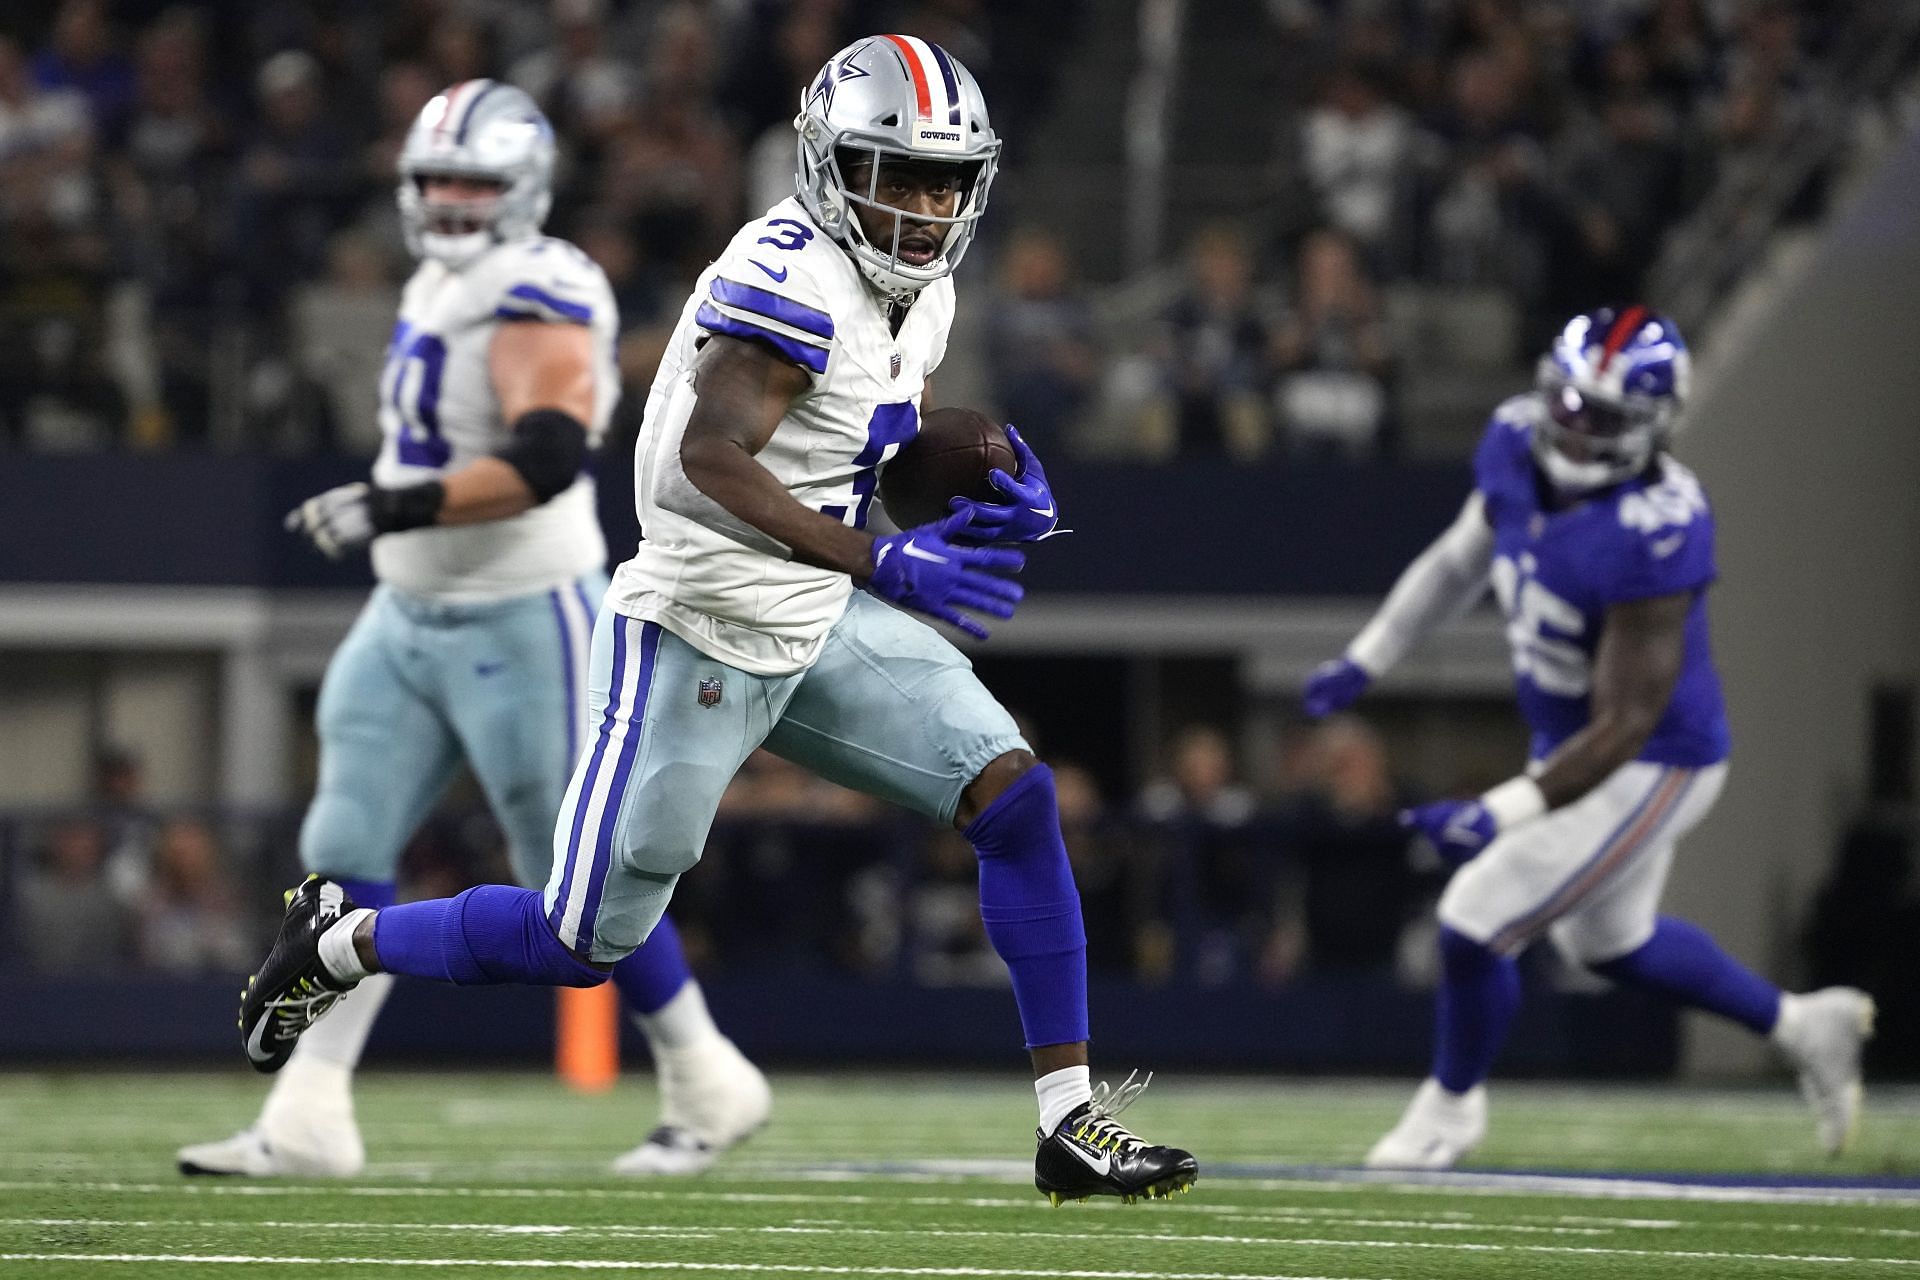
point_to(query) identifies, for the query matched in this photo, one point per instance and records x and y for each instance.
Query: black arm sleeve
(548, 448)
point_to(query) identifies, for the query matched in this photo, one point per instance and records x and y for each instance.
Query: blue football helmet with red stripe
(900, 98)
(484, 130)
(1613, 386)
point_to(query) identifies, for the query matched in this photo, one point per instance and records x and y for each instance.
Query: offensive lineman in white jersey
(499, 380)
(795, 373)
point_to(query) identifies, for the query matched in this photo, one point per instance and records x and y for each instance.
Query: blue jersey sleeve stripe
(577, 312)
(804, 354)
(745, 297)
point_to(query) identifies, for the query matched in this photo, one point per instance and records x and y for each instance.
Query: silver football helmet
(893, 97)
(476, 129)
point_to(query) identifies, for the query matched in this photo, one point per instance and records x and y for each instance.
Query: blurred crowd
(123, 885)
(1225, 867)
(198, 242)
(1200, 876)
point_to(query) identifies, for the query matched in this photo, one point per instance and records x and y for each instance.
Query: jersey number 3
(410, 386)
(891, 426)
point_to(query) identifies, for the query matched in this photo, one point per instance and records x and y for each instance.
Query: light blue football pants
(416, 686)
(890, 708)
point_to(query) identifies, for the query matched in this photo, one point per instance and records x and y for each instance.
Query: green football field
(926, 1175)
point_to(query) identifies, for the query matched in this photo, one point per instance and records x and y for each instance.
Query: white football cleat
(305, 1130)
(1821, 1034)
(253, 1153)
(711, 1099)
(1435, 1131)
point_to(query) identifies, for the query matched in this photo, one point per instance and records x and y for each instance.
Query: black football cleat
(292, 988)
(1092, 1154)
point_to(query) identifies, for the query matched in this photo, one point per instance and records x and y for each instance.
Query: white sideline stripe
(1485, 1185)
(691, 1230)
(624, 1264)
(1595, 1250)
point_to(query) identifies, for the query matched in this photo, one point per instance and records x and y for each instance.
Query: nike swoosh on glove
(924, 570)
(337, 521)
(1459, 829)
(1334, 686)
(1028, 515)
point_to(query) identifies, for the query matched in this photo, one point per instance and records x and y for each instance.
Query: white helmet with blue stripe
(482, 130)
(1614, 384)
(901, 98)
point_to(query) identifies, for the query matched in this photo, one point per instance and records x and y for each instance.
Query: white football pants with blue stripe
(416, 686)
(890, 708)
(1589, 874)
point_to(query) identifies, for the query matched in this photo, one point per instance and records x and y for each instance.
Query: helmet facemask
(1588, 440)
(885, 257)
(451, 231)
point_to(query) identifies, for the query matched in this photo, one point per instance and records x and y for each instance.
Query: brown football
(951, 457)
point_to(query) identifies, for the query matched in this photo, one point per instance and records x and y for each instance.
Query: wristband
(413, 506)
(1513, 802)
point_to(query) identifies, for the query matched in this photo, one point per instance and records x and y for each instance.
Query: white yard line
(624, 1264)
(710, 1230)
(1598, 1251)
(1455, 1184)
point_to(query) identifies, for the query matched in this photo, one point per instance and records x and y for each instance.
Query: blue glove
(1334, 686)
(924, 570)
(1459, 829)
(1028, 515)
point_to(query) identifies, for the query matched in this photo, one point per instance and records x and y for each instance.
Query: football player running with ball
(1600, 548)
(481, 522)
(796, 371)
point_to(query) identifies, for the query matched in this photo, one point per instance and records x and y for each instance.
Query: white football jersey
(438, 412)
(781, 281)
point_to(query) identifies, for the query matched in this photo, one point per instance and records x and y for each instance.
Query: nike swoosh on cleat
(918, 554)
(779, 277)
(1103, 1166)
(253, 1041)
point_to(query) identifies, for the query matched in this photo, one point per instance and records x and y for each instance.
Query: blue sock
(488, 935)
(377, 894)
(655, 973)
(1682, 962)
(1479, 994)
(1031, 908)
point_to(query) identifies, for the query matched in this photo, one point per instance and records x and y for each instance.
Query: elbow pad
(548, 448)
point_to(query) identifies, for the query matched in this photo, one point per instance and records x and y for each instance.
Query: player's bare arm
(742, 391)
(1441, 582)
(543, 375)
(1642, 648)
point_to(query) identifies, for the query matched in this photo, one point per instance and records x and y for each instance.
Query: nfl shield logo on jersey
(709, 691)
(893, 365)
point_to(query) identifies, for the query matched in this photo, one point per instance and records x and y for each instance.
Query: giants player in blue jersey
(1599, 545)
(480, 522)
(796, 371)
